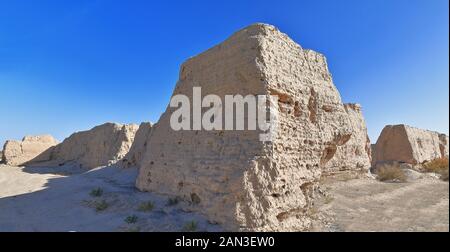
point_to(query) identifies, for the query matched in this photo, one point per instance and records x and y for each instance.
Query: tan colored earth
(368, 205)
(40, 200)
(354, 205)
(135, 154)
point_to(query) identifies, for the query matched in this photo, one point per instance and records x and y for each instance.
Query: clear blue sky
(67, 66)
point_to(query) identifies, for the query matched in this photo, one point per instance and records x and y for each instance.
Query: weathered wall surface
(134, 157)
(17, 153)
(103, 145)
(410, 145)
(231, 176)
(443, 145)
(355, 155)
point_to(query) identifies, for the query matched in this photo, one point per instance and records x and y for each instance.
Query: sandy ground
(36, 199)
(421, 204)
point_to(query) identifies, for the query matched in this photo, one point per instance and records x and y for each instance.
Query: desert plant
(391, 172)
(131, 219)
(436, 164)
(173, 201)
(97, 192)
(439, 166)
(146, 206)
(190, 226)
(101, 205)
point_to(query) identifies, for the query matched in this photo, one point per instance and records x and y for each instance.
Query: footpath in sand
(369, 205)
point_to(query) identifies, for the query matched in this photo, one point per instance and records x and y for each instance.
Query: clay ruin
(354, 156)
(101, 146)
(31, 148)
(410, 145)
(134, 157)
(231, 176)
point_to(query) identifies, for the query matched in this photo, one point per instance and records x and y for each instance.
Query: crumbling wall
(231, 176)
(17, 153)
(410, 145)
(354, 156)
(134, 157)
(101, 146)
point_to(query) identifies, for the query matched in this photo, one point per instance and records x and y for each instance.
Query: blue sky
(67, 66)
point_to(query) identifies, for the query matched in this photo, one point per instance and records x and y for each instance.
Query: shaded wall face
(410, 145)
(393, 145)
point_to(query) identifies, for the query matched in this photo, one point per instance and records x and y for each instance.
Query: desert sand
(37, 199)
(368, 205)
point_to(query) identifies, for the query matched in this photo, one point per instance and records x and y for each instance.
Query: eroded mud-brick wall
(231, 176)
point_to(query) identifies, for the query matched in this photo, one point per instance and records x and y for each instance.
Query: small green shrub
(146, 206)
(101, 205)
(131, 219)
(190, 226)
(173, 201)
(97, 192)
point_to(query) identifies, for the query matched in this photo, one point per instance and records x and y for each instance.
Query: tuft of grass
(101, 205)
(131, 219)
(146, 206)
(190, 226)
(391, 172)
(97, 192)
(436, 165)
(173, 201)
(439, 166)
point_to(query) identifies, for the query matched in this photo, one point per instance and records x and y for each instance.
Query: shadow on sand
(60, 199)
